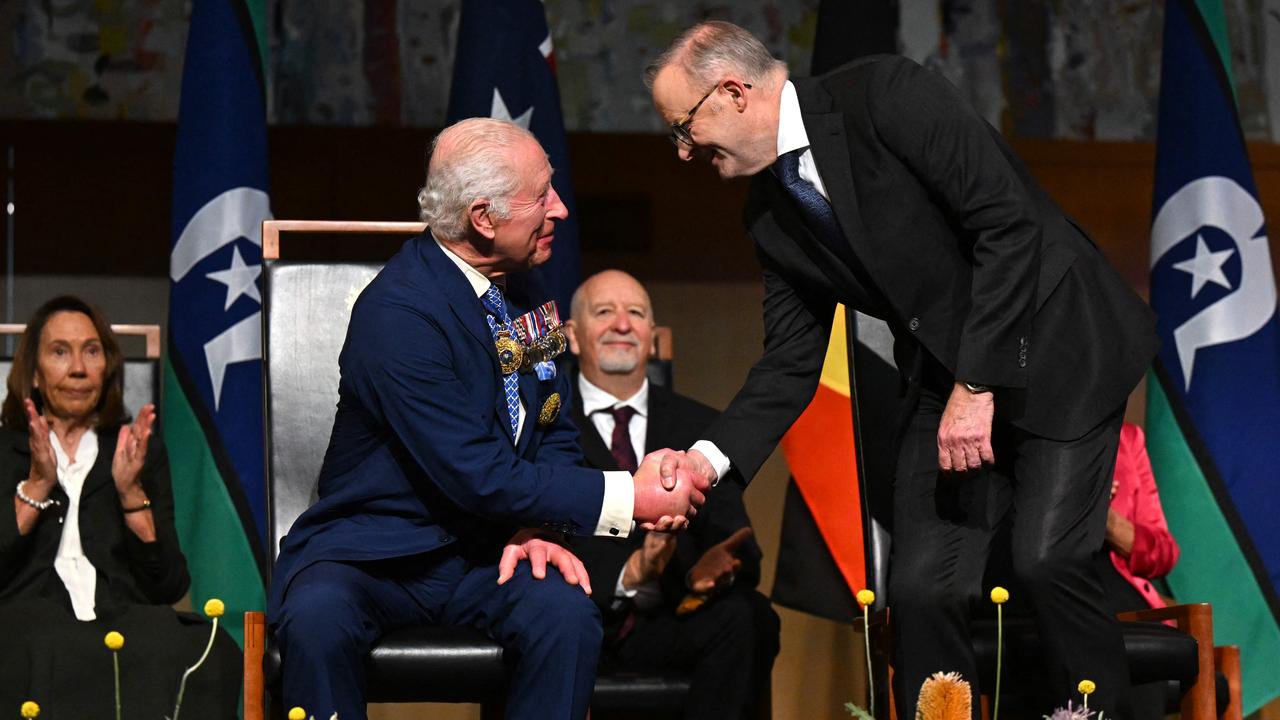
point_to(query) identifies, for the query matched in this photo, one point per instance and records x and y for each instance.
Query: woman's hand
(44, 464)
(131, 453)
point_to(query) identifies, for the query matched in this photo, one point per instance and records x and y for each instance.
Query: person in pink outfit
(1140, 549)
(1138, 538)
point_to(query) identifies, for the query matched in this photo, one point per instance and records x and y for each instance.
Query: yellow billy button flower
(214, 608)
(866, 597)
(1086, 687)
(114, 640)
(999, 595)
(297, 713)
(30, 709)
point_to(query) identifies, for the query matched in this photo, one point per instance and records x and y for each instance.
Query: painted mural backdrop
(1083, 69)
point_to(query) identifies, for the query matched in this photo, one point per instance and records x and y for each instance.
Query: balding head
(709, 50)
(611, 331)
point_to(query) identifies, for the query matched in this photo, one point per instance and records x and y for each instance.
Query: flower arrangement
(944, 696)
(999, 596)
(866, 599)
(1070, 712)
(114, 641)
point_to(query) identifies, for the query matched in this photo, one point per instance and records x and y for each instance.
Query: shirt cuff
(620, 590)
(645, 596)
(718, 461)
(619, 505)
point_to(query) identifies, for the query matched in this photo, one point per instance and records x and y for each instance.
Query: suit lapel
(825, 126)
(458, 293)
(466, 307)
(594, 448)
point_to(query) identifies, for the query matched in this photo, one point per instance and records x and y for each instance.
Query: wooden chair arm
(255, 645)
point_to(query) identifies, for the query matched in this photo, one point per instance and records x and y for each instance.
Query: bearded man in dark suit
(684, 602)
(877, 186)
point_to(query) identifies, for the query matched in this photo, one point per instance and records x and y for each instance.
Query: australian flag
(213, 378)
(505, 68)
(1213, 416)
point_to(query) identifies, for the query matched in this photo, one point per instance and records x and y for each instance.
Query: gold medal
(510, 353)
(550, 410)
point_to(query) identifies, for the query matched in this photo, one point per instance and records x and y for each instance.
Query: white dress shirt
(595, 406)
(619, 492)
(78, 574)
(791, 136)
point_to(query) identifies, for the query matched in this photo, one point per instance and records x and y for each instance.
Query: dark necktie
(620, 447)
(815, 209)
(495, 306)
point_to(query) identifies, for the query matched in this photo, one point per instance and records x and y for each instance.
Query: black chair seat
(459, 664)
(1156, 651)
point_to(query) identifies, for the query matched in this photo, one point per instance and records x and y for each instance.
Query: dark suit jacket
(677, 422)
(129, 570)
(420, 456)
(954, 245)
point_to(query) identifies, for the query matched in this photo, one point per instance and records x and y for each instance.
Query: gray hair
(708, 50)
(469, 160)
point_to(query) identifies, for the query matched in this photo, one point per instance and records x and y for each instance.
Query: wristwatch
(975, 389)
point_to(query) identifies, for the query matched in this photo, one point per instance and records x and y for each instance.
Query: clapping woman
(90, 544)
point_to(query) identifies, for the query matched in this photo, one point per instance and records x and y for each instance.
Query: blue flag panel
(505, 69)
(1213, 287)
(219, 203)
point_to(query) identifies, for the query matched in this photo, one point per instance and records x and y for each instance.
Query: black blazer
(676, 422)
(129, 570)
(953, 244)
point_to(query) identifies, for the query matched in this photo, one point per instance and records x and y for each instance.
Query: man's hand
(716, 568)
(691, 461)
(964, 434)
(662, 508)
(650, 561)
(531, 545)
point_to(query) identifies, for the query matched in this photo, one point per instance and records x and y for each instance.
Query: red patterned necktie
(620, 447)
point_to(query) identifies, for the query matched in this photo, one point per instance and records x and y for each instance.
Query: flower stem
(995, 710)
(871, 683)
(182, 686)
(115, 662)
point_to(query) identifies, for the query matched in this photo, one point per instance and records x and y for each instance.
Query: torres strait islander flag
(505, 68)
(213, 370)
(1213, 408)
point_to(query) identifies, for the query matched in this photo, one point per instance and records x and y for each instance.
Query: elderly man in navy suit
(449, 462)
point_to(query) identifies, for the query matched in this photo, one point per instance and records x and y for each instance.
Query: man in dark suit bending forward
(877, 186)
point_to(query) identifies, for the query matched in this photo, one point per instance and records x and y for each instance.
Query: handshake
(670, 486)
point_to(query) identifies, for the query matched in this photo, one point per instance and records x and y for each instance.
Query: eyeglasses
(680, 134)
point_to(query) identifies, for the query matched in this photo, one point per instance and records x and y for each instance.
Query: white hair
(708, 50)
(475, 163)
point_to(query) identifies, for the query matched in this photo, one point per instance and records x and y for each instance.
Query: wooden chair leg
(1226, 658)
(255, 637)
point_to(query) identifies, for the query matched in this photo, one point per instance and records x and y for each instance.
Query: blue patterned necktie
(815, 209)
(496, 313)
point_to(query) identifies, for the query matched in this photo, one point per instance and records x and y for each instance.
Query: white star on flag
(500, 111)
(1205, 267)
(240, 279)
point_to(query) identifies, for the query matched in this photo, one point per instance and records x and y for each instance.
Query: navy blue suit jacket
(421, 456)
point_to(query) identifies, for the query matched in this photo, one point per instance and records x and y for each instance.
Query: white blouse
(77, 573)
